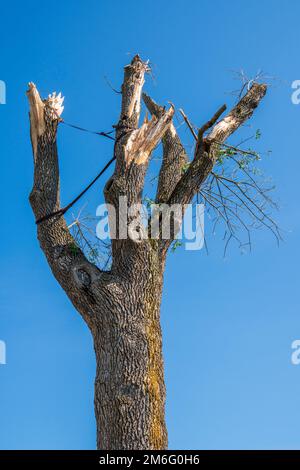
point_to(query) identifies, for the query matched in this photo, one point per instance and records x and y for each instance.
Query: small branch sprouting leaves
(237, 195)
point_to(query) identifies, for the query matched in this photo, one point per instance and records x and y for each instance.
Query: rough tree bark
(122, 307)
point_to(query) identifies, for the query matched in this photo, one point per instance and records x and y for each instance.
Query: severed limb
(74, 272)
(174, 155)
(134, 144)
(207, 149)
(132, 152)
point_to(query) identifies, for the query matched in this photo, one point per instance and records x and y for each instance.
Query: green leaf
(148, 201)
(176, 244)
(258, 134)
(185, 167)
(74, 248)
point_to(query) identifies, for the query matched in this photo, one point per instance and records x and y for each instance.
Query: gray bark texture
(122, 307)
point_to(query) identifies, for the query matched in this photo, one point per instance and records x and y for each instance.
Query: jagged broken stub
(153, 107)
(157, 110)
(172, 130)
(143, 140)
(132, 87)
(37, 115)
(239, 114)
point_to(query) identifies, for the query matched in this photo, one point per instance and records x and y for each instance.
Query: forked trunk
(122, 306)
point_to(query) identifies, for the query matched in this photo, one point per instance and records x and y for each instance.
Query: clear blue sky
(228, 323)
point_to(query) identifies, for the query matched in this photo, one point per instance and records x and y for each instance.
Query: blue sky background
(229, 323)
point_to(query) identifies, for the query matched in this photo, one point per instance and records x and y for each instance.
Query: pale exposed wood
(37, 124)
(36, 105)
(143, 140)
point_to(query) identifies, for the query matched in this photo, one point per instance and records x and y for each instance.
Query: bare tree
(121, 306)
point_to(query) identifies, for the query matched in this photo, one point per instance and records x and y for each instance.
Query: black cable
(62, 211)
(104, 134)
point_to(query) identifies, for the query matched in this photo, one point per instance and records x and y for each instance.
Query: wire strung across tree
(63, 210)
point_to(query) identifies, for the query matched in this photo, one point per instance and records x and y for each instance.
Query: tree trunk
(122, 306)
(129, 386)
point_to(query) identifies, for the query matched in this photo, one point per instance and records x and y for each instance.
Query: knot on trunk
(82, 278)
